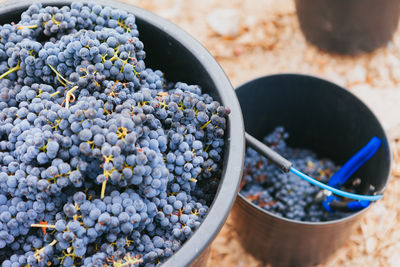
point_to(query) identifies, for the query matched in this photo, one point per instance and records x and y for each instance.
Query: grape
(73, 225)
(85, 135)
(69, 210)
(60, 225)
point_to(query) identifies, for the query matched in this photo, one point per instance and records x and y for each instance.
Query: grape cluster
(83, 43)
(102, 161)
(285, 194)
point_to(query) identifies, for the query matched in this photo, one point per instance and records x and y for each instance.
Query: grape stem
(18, 67)
(40, 251)
(20, 27)
(103, 188)
(204, 126)
(43, 225)
(60, 78)
(54, 94)
(68, 99)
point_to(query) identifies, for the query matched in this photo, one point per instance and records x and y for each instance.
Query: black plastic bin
(182, 58)
(348, 26)
(327, 119)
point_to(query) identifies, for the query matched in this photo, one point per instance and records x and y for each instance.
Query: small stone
(370, 245)
(172, 12)
(238, 50)
(396, 74)
(250, 22)
(335, 78)
(394, 260)
(224, 22)
(245, 39)
(357, 75)
(379, 209)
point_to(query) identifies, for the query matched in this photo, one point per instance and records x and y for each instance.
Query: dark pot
(327, 119)
(182, 58)
(348, 26)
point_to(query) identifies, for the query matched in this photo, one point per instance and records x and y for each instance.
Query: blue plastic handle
(327, 202)
(352, 205)
(357, 205)
(354, 163)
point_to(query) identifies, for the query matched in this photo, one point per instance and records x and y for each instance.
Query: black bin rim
(289, 75)
(232, 169)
